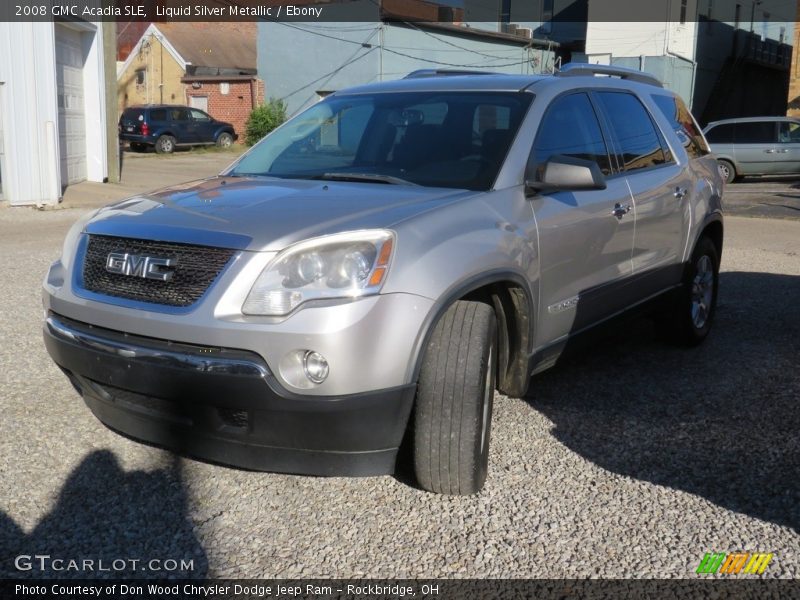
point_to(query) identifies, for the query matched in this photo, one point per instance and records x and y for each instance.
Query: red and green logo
(733, 564)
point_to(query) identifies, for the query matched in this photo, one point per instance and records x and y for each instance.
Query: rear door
(182, 125)
(585, 249)
(756, 147)
(661, 189)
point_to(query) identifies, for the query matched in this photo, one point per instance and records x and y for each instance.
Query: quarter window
(683, 123)
(570, 128)
(637, 141)
(790, 132)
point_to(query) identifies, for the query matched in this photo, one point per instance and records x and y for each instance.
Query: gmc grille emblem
(138, 265)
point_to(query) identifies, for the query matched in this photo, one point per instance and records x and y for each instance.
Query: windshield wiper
(367, 177)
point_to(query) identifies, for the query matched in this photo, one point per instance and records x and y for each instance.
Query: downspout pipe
(694, 73)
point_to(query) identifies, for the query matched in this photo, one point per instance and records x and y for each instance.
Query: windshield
(453, 139)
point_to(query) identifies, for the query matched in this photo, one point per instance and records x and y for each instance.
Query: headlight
(344, 265)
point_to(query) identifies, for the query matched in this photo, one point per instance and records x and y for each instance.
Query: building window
(141, 74)
(225, 88)
(684, 4)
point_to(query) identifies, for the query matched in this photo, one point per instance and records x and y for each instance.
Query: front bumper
(225, 405)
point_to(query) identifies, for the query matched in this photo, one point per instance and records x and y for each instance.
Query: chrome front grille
(195, 270)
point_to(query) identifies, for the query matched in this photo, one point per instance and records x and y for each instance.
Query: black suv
(165, 126)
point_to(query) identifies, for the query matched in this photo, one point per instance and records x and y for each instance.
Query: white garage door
(71, 119)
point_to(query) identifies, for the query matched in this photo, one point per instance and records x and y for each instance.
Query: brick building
(227, 98)
(210, 66)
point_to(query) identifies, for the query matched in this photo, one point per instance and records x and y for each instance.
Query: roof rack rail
(420, 73)
(585, 69)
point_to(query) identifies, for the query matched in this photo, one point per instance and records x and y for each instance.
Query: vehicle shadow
(721, 421)
(112, 518)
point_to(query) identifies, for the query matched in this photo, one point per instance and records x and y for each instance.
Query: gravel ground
(632, 460)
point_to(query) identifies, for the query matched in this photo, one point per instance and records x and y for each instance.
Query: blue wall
(297, 60)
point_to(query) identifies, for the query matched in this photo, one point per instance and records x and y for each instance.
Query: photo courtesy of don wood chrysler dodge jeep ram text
(377, 266)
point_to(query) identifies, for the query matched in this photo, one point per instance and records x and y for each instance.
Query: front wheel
(453, 415)
(727, 170)
(224, 140)
(691, 313)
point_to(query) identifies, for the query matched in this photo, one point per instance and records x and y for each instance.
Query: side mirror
(564, 173)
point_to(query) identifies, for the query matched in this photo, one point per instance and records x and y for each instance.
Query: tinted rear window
(158, 115)
(638, 143)
(760, 132)
(132, 114)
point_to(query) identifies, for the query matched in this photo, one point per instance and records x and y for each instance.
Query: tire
(727, 170)
(453, 411)
(224, 140)
(165, 144)
(690, 315)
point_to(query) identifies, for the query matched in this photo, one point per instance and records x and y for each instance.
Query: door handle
(783, 151)
(620, 211)
(679, 193)
(771, 151)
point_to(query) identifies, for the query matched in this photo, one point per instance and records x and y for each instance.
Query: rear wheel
(452, 420)
(689, 317)
(224, 140)
(727, 170)
(165, 144)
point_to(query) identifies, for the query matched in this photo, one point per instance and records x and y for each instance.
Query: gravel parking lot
(633, 459)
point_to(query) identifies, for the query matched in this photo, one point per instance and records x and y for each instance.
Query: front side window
(638, 143)
(199, 115)
(570, 128)
(440, 139)
(789, 132)
(684, 125)
(721, 134)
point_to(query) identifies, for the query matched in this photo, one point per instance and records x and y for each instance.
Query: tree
(263, 119)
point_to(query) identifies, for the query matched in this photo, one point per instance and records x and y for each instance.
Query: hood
(263, 214)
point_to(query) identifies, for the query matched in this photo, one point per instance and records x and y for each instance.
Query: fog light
(315, 366)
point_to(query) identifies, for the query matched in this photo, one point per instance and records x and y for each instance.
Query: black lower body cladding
(224, 405)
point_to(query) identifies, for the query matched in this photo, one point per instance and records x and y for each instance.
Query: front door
(203, 126)
(585, 237)
(661, 190)
(789, 147)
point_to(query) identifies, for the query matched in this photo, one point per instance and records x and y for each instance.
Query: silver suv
(375, 268)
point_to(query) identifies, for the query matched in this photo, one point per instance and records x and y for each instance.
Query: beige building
(169, 52)
(152, 73)
(794, 75)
